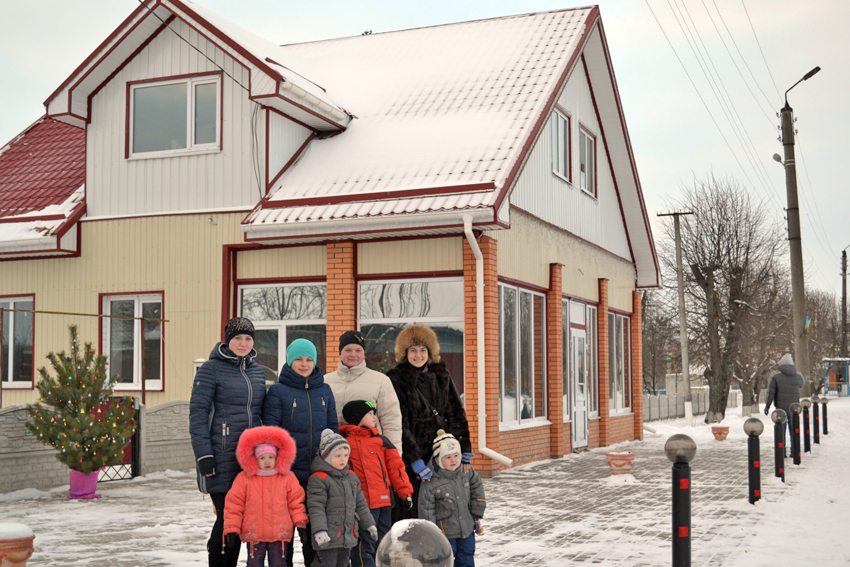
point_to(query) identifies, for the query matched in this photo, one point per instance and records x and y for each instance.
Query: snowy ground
(551, 513)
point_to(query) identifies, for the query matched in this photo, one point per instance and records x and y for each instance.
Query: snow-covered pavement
(550, 513)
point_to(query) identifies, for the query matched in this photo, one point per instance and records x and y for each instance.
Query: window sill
(564, 179)
(587, 193)
(621, 414)
(172, 154)
(18, 385)
(135, 388)
(528, 424)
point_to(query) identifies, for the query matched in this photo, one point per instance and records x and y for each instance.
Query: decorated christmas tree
(76, 412)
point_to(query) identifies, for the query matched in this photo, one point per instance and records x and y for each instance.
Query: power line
(760, 49)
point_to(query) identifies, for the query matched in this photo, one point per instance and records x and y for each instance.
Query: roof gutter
(479, 326)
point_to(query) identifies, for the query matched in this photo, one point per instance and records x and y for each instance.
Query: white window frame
(9, 361)
(519, 422)
(139, 299)
(191, 146)
(622, 376)
(587, 140)
(592, 325)
(561, 125)
(282, 324)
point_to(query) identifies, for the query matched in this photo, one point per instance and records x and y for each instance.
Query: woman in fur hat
(429, 401)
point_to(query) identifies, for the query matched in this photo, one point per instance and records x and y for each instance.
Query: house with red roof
(476, 177)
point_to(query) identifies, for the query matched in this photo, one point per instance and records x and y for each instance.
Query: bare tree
(659, 339)
(824, 313)
(734, 251)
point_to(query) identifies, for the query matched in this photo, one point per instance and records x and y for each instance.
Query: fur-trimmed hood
(276, 436)
(417, 335)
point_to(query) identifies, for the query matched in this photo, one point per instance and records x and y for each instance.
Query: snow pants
(363, 554)
(257, 554)
(464, 551)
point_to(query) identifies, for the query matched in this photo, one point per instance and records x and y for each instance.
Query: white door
(579, 386)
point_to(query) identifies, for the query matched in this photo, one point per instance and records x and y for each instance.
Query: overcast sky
(673, 135)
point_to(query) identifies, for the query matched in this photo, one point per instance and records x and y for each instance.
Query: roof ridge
(478, 20)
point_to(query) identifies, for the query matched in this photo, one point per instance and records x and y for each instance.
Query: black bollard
(815, 420)
(795, 432)
(680, 449)
(807, 437)
(779, 417)
(823, 402)
(753, 427)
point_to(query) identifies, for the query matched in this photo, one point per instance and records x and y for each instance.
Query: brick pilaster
(604, 401)
(637, 363)
(560, 443)
(489, 251)
(342, 297)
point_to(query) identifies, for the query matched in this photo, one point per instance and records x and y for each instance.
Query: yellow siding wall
(180, 255)
(527, 249)
(290, 262)
(419, 255)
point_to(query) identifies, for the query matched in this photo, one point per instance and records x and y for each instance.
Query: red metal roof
(41, 167)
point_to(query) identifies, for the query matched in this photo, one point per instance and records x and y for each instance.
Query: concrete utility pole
(683, 322)
(844, 302)
(798, 291)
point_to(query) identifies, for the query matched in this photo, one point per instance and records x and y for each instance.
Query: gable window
(17, 371)
(561, 163)
(173, 117)
(522, 355)
(123, 342)
(619, 364)
(587, 162)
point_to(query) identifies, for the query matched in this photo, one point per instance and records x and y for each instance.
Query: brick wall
(527, 445)
(342, 297)
(620, 428)
(602, 350)
(561, 438)
(637, 365)
(593, 439)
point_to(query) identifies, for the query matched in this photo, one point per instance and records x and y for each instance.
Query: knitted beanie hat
(354, 411)
(264, 448)
(786, 360)
(238, 326)
(299, 348)
(330, 443)
(351, 338)
(445, 444)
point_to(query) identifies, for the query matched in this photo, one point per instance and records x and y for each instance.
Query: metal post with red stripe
(779, 418)
(753, 427)
(823, 402)
(807, 439)
(681, 449)
(795, 432)
(815, 419)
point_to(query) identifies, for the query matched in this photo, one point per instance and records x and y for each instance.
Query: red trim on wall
(580, 299)
(32, 377)
(619, 311)
(100, 297)
(534, 134)
(76, 214)
(413, 237)
(289, 163)
(283, 280)
(408, 275)
(523, 285)
(376, 196)
(227, 261)
(338, 235)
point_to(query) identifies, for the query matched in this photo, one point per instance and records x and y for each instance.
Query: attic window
(172, 117)
(561, 155)
(587, 161)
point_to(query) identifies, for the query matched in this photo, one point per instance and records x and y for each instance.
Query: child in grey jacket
(333, 497)
(453, 499)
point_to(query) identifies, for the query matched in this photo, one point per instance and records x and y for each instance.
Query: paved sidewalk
(557, 512)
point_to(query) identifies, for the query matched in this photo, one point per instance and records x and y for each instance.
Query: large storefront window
(619, 364)
(385, 308)
(281, 314)
(522, 355)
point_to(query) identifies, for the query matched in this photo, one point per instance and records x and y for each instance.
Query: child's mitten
(231, 540)
(421, 469)
(322, 538)
(408, 504)
(373, 533)
(478, 529)
(466, 458)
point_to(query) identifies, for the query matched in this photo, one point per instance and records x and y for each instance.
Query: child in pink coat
(266, 501)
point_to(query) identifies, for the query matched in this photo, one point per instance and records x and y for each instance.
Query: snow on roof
(438, 107)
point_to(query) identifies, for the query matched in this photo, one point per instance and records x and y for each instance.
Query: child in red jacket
(266, 501)
(380, 469)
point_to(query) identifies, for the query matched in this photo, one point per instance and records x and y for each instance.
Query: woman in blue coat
(304, 405)
(227, 398)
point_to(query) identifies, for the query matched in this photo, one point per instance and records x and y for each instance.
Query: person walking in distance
(784, 390)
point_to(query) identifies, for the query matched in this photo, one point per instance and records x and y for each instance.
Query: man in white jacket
(354, 381)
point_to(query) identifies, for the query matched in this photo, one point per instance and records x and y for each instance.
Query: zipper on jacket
(292, 413)
(223, 434)
(310, 410)
(383, 474)
(250, 394)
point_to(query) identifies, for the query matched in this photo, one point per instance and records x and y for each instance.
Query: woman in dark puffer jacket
(429, 401)
(227, 398)
(303, 405)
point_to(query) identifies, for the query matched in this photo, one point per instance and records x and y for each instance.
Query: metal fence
(669, 406)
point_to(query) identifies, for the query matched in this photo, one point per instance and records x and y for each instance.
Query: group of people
(339, 457)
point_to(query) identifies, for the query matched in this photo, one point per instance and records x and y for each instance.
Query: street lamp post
(801, 349)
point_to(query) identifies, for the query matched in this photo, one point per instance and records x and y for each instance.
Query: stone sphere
(414, 543)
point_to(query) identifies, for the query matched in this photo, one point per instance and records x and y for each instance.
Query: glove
(420, 469)
(206, 465)
(408, 504)
(231, 540)
(322, 538)
(766, 409)
(373, 533)
(478, 529)
(466, 458)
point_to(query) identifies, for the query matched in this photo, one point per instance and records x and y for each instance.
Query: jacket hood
(417, 335)
(358, 431)
(348, 374)
(289, 377)
(321, 465)
(276, 436)
(221, 352)
(788, 369)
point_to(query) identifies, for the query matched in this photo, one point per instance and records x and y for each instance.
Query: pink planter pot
(720, 432)
(15, 545)
(620, 463)
(83, 486)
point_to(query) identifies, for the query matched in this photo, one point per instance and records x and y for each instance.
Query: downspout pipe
(479, 325)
